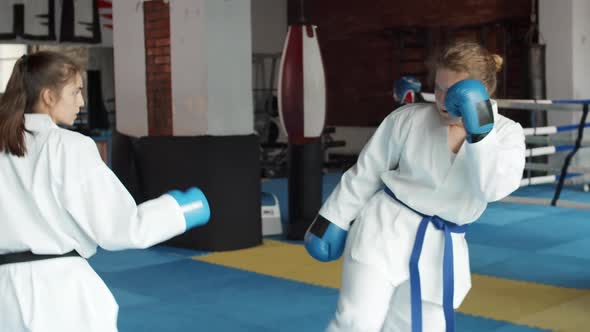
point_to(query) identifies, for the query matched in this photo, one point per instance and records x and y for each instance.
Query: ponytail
(12, 111)
(31, 74)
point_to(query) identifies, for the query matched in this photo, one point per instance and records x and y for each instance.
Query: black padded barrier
(226, 168)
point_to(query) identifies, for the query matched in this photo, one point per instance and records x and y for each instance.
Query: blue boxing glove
(194, 206)
(324, 240)
(405, 89)
(469, 99)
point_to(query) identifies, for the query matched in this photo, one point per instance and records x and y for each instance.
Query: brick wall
(363, 58)
(158, 77)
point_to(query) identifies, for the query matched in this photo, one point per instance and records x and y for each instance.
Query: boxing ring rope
(547, 150)
(539, 140)
(551, 129)
(569, 179)
(542, 104)
(553, 144)
(547, 168)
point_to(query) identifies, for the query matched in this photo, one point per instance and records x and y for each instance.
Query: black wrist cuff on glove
(319, 226)
(485, 112)
(474, 138)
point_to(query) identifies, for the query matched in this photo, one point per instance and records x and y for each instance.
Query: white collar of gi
(494, 107)
(36, 121)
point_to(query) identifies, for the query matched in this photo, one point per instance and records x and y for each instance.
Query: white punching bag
(302, 110)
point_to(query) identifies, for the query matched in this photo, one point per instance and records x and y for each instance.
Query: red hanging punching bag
(302, 110)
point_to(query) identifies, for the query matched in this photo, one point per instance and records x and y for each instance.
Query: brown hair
(30, 75)
(471, 58)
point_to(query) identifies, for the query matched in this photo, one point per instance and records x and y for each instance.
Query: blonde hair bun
(498, 61)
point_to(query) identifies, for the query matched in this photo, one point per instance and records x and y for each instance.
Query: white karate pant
(61, 294)
(370, 303)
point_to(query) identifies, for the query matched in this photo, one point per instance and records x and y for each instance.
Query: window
(9, 53)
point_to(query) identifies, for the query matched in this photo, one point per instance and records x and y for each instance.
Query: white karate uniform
(409, 153)
(61, 197)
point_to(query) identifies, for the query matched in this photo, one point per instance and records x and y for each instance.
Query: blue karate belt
(448, 269)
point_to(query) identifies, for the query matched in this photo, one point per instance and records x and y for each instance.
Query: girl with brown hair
(59, 201)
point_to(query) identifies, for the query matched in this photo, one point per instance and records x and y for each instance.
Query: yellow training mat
(517, 302)
(527, 303)
(281, 260)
